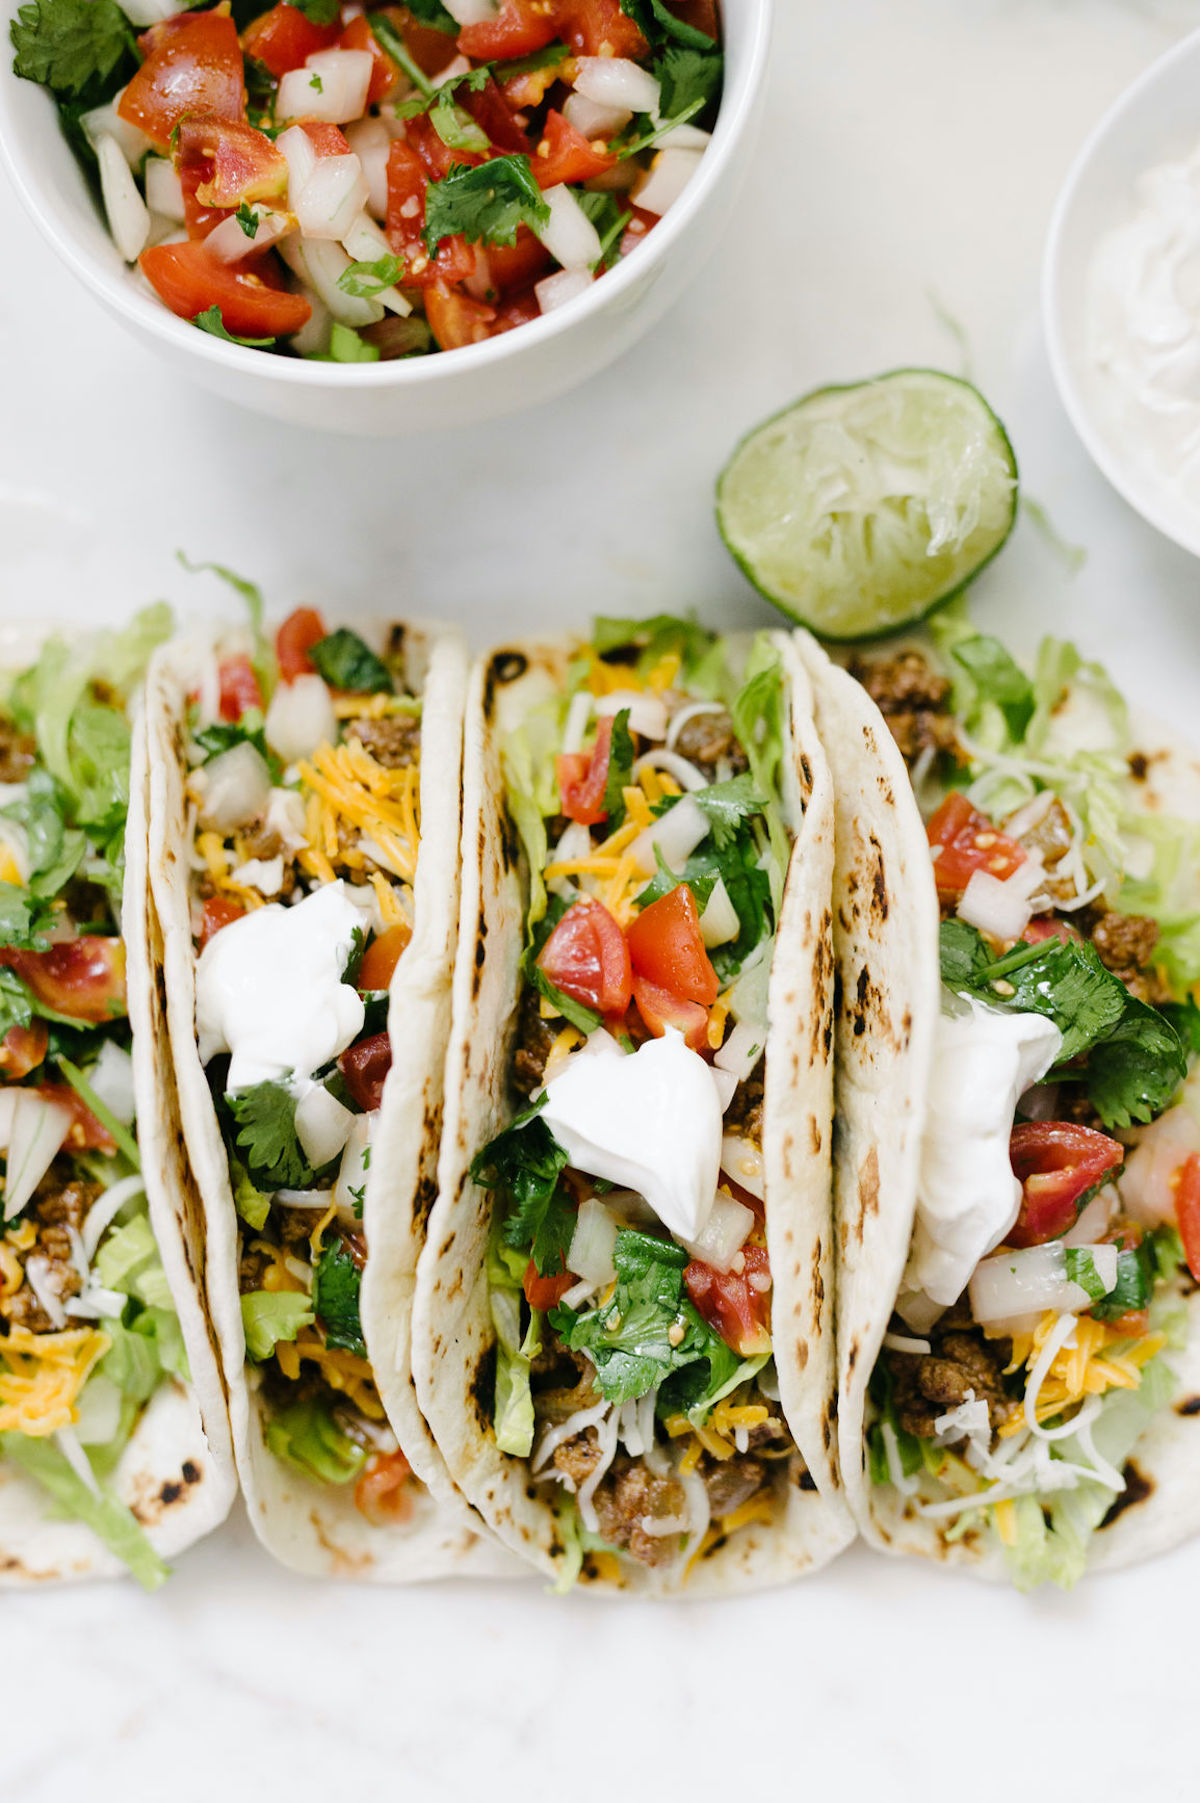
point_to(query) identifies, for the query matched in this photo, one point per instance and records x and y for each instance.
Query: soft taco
(105, 1465)
(622, 1329)
(1017, 1182)
(304, 817)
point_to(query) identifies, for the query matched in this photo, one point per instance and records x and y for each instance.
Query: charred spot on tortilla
(879, 890)
(806, 1480)
(868, 1187)
(814, 1134)
(1139, 766)
(801, 1354)
(818, 1278)
(483, 1388)
(190, 1472)
(1137, 1488)
(396, 642)
(424, 1199)
(505, 667)
(1189, 1406)
(806, 776)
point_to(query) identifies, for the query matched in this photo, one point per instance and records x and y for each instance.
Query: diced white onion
(355, 1166)
(471, 12)
(332, 197)
(263, 874)
(1094, 1222)
(458, 65)
(676, 834)
(1148, 1181)
(725, 1232)
(319, 262)
(104, 1211)
(568, 234)
(313, 336)
(579, 713)
(164, 190)
(995, 907)
(660, 757)
(1041, 1102)
(365, 243)
(112, 1079)
(99, 1414)
(237, 787)
(323, 1126)
(742, 1050)
(344, 77)
(669, 175)
(744, 1163)
(128, 214)
(594, 120)
(148, 12)
(617, 81)
(647, 713)
(371, 143)
(719, 923)
(684, 137)
(230, 244)
(106, 120)
(300, 717)
(285, 818)
(592, 1244)
(37, 1132)
(563, 286)
(300, 154)
(900, 1342)
(726, 1084)
(1031, 1280)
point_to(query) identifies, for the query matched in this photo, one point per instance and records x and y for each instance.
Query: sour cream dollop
(967, 1197)
(269, 989)
(648, 1121)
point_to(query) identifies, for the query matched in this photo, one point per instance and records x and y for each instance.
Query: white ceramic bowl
(521, 368)
(1155, 120)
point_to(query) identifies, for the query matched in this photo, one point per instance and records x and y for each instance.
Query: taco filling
(1058, 1212)
(629, 1277)
(304, 832)
(88, 1331)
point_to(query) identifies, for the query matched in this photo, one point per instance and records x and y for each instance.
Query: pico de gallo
(629, 1274)
(304, 794)
(355, 184)
(1058, 1211)
(88, 1331)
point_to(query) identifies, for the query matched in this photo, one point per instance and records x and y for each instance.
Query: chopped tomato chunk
(365, 1067)
(1187, 1211)
(454, 262)
(384, 1492)
(599, 28)
(505, 268)
(23, 1048)
(963, 841)
(359, 36)
(565, 155)
(239, 688)
(660, 1009)
(736, 1304)
(487, 107)
(190, 281)
(548, 1291)
(285, 38)
(518, 29)
(224, 162)
(327, 139)
(382, 956)
(219, 911)
(666, 947)
(516, 310)
(587, 958)
(1058, 1165)
(193, 65)
(302, 629)
(83, 978)
(86, 1133)
(455, 320)
(583, 777)
(432, 50)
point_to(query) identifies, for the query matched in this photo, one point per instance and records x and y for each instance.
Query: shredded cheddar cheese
(606, 679)
(718, 1014)
(1006, 1521)
(12, 1274)
(10, 870)
(565, 1043)
(23, 1235)
(664, 673)
(1090, 1367)
(39, 1391)
(370, 707)
(760, 1507)
(342, 1371)
(348, 786)
(317, 1235)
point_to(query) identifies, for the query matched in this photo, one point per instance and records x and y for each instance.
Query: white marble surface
(911, 156)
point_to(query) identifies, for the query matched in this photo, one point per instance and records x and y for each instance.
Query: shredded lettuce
(305, 1436)
(527, 760)
(269, 1316)
(109, 1520)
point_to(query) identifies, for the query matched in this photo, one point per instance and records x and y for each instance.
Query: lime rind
(859, 509)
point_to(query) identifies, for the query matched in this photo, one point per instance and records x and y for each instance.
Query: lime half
(856, 510)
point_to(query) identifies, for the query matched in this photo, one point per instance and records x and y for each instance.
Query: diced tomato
(359, 36)
(1057, 1164)
(437, 158)
(548, 1291)
(365, 1067)
(382, 956)
(83, 978)
(516, 310)
(1049, 926)
(519, 29)
(327, 139)
(1187, 1211)
(587, 958)
(86, 1133)
(583, 777)
(599, 28)
(455, 320)
(455, 258)
(193, 65)
(732, 1302)
(635, 232)
(964, 841)
(384, 1492)
(432, 50)
(487, 107)
(239, 688)
(219, 911)
(23, 1048)
(302, 629)
(285, 38)
(502, 269)
(1132, 1324)
(190, 281)
(228, 161)
(666, 947)
(527, 91)
(565, 155)
(660, 1009)
(701, 15)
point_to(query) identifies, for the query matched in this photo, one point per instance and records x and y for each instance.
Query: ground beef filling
(18, 753)
(394, 740)
(707, 740)
(744, 1116)
(914, 700)
(535, 1036)
(1126, 944)
(961, 1366)
(58, 1205)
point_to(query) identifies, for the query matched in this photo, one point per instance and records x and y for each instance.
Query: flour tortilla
(313, 1527)
(886, 937)
(176, 1475)
(453, 1336)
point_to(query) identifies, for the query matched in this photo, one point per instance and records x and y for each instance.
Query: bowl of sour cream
(1121, 294)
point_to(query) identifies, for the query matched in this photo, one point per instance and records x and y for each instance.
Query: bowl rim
(144, 313)
(1140, 494)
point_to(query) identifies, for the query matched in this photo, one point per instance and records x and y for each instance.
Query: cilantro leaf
(23, 919)
(658, 24)
(247, 218)
(580, 1016)
(606, 214)
(687, 75)
(212, 321)
(321, 12)
(348, 664)
(1134, 1285)
(648, 1328)
(525, 1162)
(728, 804)
(70, 46)
(485, 203)
(620, 769)
(223, 735)
(1135, 1058)
(19, 1007)
(265, 1116)
(365, 280)
(337, 1282)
